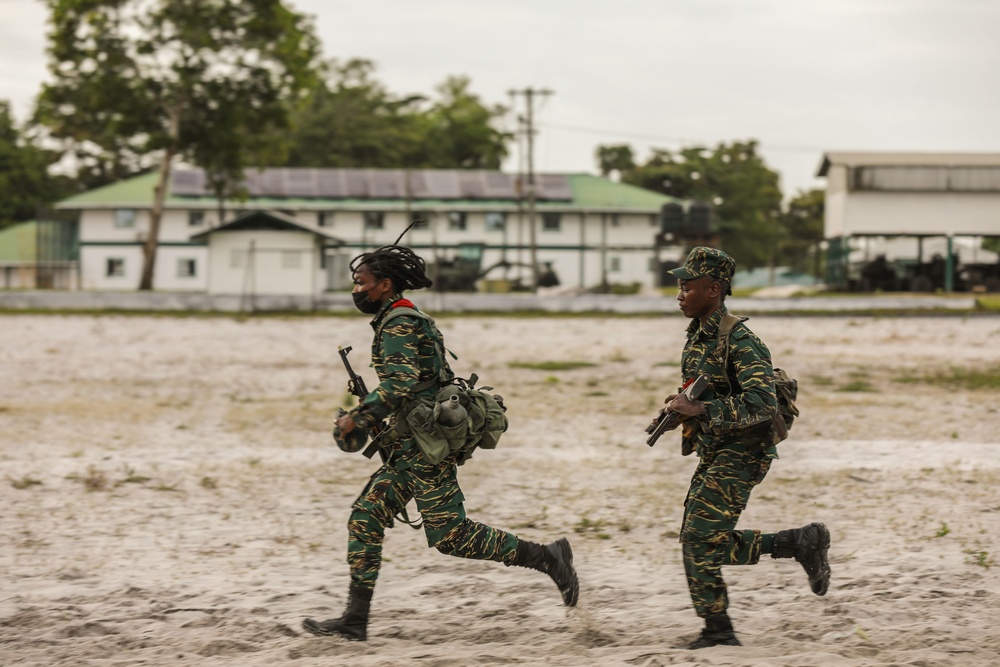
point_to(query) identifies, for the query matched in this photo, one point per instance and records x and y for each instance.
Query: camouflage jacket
(404, 355)
(740, 401)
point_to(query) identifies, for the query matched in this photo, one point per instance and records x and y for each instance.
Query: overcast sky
(801, 76)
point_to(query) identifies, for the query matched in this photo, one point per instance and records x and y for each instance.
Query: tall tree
(743, 190)
(803, 223)
(25, 184)
(460, 131)
(619, 159)
(138, 83)
(353, 120)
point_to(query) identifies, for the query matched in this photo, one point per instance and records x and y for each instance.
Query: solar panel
(441, 184)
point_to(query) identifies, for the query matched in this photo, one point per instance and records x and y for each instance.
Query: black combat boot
(353, 624)
(555, 560)
(718, 632)
(809, 546)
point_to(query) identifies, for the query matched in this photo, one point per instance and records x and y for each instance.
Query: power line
(674, 140)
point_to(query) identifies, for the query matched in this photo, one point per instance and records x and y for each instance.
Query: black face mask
(363, 303)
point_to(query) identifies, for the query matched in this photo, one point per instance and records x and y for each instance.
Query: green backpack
(459, 418)
(786, 388)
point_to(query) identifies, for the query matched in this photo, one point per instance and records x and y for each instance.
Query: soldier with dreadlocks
(408, 356)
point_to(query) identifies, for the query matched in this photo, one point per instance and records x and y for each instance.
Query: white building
(875, 196)
(298, 228)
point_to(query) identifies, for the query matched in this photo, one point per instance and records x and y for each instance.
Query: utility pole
(529, 94)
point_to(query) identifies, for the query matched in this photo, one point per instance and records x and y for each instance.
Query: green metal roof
(589, 193)
(17, 242)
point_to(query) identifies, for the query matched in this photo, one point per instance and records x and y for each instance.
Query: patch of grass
(587, 527)
(618, 357)
(955, 377)
(990, 304)
(131, 477)
(821, 381)
(552, 379)
(661, 364)
(551, 365)
(95, 479)
(595, 394)
(24, 483)
(209, 483)
(943, 530)
(857, 386)
(981, 558)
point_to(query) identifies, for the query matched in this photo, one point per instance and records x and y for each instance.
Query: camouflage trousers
(440, 503)
(719, 491)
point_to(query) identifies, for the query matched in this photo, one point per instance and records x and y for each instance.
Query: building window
(115, 267)
(496, 222)
(614, 220)
(614, 264)
(125, 217)
(652, 264)
(196, 218)
(291, 259)
(187, 268)
(324, 219)
(237, 258)
(456, 221)
(374, 220)
(551, 222)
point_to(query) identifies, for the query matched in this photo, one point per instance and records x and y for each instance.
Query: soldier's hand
(685, 406)
(346, 424)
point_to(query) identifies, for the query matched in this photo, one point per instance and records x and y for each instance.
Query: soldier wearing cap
(728, 428)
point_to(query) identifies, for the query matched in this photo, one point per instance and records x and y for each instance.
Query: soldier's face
(698, 297)
(365, 281)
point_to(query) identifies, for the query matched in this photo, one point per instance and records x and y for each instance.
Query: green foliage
(744, 193)
(615, 158)
(734, 179)
(136, 83)
(803, 224)
(351, 120)
(24, 180)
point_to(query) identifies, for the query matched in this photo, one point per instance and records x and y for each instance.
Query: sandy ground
(171, 495)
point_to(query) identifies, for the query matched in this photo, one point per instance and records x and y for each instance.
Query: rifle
(668, 421)
(356, 386)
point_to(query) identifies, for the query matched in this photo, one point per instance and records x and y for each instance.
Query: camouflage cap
(704, 261)
(353, 441)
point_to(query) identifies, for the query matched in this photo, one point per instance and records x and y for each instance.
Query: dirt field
(171, 495)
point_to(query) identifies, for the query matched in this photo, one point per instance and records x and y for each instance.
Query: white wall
(868, 212)
(630, 240)
(273, 270)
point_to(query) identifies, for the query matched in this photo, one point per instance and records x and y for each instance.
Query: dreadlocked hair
(402, 266)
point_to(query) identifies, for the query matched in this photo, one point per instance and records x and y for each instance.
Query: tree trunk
(155, 215)
(159, 196)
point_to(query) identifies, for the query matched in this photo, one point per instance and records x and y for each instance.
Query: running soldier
(730, 430)
(408, 356)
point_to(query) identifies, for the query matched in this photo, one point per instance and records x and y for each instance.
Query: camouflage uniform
(405, 355)
(727, 439)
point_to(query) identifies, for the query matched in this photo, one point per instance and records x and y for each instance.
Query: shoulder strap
(726, 327)
(438, 343)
